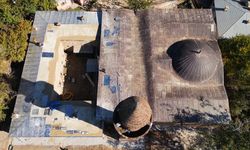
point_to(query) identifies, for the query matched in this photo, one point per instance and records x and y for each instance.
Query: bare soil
(30, 147)
(76, 81)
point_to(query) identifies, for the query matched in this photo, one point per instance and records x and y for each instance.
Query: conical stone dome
(133, 113)
(193, 60)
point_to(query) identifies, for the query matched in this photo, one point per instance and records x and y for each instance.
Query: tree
(14, 41)
(8, 15)
(12, 13)
(236, 57)
(15, 27)
(233, 136)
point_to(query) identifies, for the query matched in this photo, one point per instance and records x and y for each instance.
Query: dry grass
(4, 67)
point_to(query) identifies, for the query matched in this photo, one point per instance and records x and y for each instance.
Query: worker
(81, 18)
(57, 24)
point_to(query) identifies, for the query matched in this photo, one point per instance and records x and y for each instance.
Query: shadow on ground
(38, 93)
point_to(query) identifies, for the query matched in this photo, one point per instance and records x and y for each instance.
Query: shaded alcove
(77, 80)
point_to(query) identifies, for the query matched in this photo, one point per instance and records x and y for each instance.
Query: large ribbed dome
(193, 60)
(133, 113)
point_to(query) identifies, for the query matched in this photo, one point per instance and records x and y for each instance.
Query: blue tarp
(69, 110)
(47, 130)
(110, 43)
(47, 54)
(54, 104)
(106, 33)
(106, 80)
(45, 100)
(113, 89)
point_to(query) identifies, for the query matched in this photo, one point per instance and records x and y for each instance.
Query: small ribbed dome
(134, 113)
(193, 60)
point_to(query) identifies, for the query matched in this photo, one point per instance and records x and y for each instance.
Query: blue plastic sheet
(48, 54)
(54, 104)
(106, 80)
(106, 33)
(69, 110)
(113, 89)
(110, 43)
(47, 130)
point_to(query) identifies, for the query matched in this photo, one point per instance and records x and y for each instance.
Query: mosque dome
(193, 60)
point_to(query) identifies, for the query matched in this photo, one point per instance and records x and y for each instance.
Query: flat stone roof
(133, 62)
(29, 117)
(134, 56)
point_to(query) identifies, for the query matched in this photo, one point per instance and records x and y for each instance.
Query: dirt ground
(81, 87)
(97, 147)
(4, 140)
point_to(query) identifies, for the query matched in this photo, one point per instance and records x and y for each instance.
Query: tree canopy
(16, 17)
(12, 13)
(14, 41)
(236, 135)
(15, 25)
(236, 57)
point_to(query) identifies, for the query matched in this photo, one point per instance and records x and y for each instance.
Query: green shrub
(139, 4)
